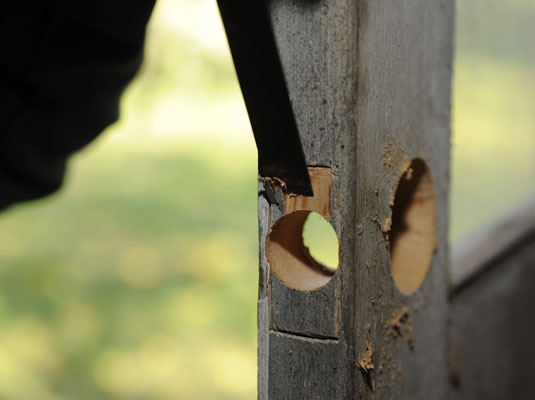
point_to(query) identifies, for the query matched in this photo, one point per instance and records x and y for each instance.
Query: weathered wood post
(370, 86)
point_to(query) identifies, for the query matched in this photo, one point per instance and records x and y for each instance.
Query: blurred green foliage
(321, 240)
(137, 282)
(139, 279)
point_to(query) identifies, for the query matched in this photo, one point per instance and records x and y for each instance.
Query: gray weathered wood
(477, 251)
(492, 354)
(370, 85)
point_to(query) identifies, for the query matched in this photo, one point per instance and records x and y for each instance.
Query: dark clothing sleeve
(63, 67)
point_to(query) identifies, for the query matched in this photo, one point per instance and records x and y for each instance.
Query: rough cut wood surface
(492, 353)
(370, 85)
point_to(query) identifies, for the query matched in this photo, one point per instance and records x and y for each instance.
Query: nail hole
(303, 250)
(413, 236)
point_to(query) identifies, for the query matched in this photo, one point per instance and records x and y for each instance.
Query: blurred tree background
(139, 279)
(493, 143)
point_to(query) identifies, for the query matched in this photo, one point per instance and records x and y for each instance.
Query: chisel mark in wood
(306, 337)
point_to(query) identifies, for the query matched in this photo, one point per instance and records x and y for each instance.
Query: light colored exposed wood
(412, 228)
(370, 85)
(471, 255)
(286, 252)
(290, 259)
(321, 180)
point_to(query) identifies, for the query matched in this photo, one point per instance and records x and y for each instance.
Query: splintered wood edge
(471, 256)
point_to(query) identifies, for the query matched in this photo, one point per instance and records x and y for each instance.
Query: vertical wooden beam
(370, 86)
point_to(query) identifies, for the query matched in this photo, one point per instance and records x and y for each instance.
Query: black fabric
(63, 67)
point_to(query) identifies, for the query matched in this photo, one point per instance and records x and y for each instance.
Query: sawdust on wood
(365, 362)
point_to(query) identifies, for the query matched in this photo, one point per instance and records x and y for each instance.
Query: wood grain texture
(370, 86)
(492, 353)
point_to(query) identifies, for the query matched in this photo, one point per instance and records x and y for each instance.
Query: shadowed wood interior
(412, 236)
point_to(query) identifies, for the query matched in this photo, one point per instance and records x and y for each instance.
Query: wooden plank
(471, 255)
(370, 86)
(492, 329)
(405, 54)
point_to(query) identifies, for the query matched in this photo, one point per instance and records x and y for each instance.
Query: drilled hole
(321, 240)
(413, 236)
(302, 249)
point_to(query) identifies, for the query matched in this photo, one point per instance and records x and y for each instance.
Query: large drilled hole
(413, 236)
(302, 249)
